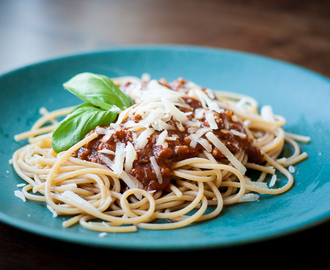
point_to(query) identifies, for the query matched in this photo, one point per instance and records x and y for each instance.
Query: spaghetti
(179, 148)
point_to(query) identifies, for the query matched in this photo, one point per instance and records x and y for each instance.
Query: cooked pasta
(179, 148)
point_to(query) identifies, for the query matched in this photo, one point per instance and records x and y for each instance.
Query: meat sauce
(177, 150)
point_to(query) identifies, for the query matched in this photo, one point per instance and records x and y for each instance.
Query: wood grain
(293, 31)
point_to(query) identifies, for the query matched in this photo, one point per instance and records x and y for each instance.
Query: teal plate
(296, 93)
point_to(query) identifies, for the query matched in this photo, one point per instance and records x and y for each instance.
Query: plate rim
(167, 47)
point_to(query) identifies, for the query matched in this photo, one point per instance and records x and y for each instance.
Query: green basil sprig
(104, 101)
(98, 90)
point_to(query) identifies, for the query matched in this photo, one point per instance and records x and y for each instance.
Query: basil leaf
(78, 123)
(98, 90)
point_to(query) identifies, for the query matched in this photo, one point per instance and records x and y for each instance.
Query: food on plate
(142, 153)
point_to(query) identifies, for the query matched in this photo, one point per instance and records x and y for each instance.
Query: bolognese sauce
(178, 146)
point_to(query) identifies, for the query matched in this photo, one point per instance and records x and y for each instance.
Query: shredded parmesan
(266, 113)
(131, 181)
(291, 169)
(273, 180)
(203, 142)
(107, 135)
(172, 138)
(119, 158)
(77, 199)
(237, 133)
(177, 114)
(161, 139)
(102, 234)
(250, 197)
(130, 157)
(210, 119)
(100, 131)
(195, 136)
(224, 150)
(19, 194)
(160, 125)
(157, 169)
(255, 183)
(122, 115)
(106, 161)
(142, 140)
(106, 151)
(21, 185)
(206, 101)
(199, 113)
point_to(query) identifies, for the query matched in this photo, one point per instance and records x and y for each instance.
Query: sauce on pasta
(178, 142)
(180, 147)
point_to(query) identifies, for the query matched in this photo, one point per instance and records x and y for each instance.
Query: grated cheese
(203, 142)
(119, 158)
(255, 183)
(250, 197)
(237, 133)
(273, 180)
(200, 96)
(266, 113)
(106, 161)
(76, 198)
(157, 169)
(102, 234)
(154, 93)
(172, 138)
(100, 131)
(207, 102)
(21, 185)
(107, 135)
(131, 181)
(106, 151)
(247, 123)
(177, 114)
(19, 194)
(180, 126)
(161, 139)
(160, 125)
(142, 140)
(291, 169)
(209, 93)
(130, 157)
(210, 119)
(199, 113)
(234, 118)
(224, 150)
(195, 136)
(148, 120)
(122, 115)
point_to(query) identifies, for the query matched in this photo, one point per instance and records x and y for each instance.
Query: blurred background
(290, 30)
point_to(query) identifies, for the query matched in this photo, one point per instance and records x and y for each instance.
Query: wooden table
(293, 31)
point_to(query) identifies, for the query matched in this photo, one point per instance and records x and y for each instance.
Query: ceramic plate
(298, 94)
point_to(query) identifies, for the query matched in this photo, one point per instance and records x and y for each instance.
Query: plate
(296, 93)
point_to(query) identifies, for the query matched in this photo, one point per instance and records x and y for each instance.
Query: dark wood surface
(293, 31)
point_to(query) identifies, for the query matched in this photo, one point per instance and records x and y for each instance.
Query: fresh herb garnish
(104, 101)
